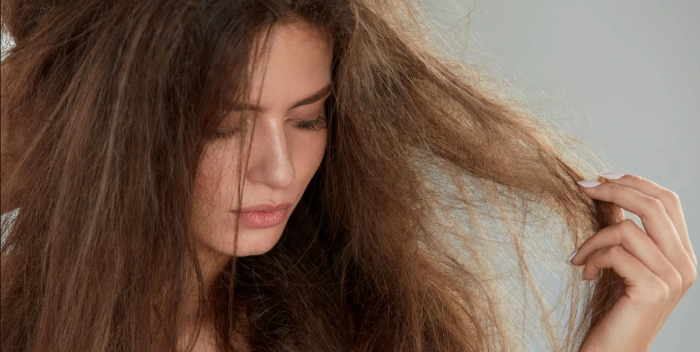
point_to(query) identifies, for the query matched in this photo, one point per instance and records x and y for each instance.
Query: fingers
(634, 240)
(628, 235)
(642, 286)
(671, 203)
(657, 263)
(657, 223)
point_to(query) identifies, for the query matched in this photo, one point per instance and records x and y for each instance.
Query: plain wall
(626, 77)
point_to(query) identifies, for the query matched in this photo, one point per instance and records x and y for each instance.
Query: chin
(257, 241)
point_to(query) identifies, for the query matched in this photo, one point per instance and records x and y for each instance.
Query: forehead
(296, 64)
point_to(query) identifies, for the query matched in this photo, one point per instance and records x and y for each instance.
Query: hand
(657, 266)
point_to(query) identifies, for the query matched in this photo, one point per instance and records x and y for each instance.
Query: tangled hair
(402, 240)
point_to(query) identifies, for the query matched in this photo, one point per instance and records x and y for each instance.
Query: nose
(270, 162)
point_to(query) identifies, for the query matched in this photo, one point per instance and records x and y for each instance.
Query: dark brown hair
(106, 106)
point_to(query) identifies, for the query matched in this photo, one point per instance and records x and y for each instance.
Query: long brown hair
(403, 240)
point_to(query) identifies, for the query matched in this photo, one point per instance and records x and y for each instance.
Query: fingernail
(612, 175)
(600, 274)
(572, 255)
(588, 183)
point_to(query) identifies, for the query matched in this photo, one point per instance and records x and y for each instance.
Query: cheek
(319, 149)
(216, 177)
(211, 190)
(310, 153)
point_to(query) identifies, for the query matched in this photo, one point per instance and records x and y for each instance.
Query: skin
(658, 266)
(283, 156)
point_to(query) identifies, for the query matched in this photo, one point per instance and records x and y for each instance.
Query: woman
(293, 175)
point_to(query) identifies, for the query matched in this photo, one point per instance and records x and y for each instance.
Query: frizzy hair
(107, 106)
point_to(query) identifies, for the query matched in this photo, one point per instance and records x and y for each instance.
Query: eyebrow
(322, 93)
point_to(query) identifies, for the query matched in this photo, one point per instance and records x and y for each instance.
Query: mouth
(263, 219)
(264, 208)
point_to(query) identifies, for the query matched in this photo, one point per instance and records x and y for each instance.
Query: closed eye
(318, 124)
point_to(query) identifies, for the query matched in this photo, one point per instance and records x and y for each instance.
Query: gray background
(626, 77)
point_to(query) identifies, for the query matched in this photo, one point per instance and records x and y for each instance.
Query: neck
(211, 264)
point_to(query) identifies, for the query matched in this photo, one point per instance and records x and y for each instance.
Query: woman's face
(288, 143)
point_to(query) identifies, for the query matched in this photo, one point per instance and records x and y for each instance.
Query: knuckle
(689, 278)
(628, 234)
(657, 203)
(628, 225)
(621, 235)
(653, 205)
(658, 291)
(674, 282)
(616, 251)
(672, 197)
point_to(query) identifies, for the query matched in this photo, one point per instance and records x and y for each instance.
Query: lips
(266, 207)
(261, 219)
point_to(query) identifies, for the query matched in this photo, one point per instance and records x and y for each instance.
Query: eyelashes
(316, 125)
